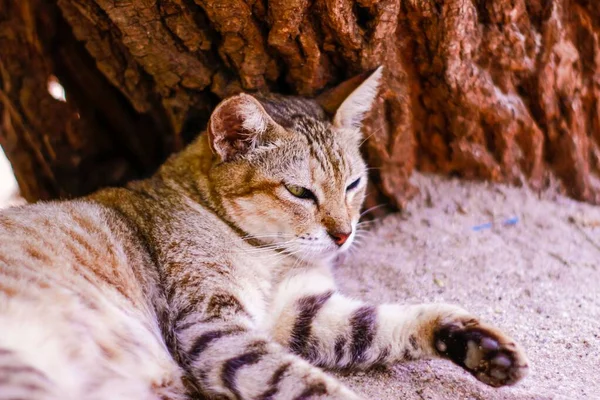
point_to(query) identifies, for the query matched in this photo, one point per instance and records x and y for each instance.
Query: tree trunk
(493, 89)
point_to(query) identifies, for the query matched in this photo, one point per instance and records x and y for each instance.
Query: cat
(213, 277)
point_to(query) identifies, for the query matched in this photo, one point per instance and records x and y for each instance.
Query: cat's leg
(228, 357)
(330, 330)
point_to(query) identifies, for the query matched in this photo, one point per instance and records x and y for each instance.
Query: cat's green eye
(353, 185)
(300, 192)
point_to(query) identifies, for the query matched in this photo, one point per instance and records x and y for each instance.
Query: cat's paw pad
(488, 354)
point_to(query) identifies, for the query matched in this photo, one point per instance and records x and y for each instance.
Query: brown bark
(492, 89)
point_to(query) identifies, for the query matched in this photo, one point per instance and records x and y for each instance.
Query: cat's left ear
(352, 100)
(238, 125)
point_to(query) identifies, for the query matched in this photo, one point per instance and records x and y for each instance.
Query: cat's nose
(340, 237)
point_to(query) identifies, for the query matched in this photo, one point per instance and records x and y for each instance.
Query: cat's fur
(211, 277)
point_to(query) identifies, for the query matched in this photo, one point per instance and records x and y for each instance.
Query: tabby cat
(214, 278)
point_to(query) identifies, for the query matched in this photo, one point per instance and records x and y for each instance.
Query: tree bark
(507, 91)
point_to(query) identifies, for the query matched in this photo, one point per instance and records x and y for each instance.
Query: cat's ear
(352, 99)
(237, 126)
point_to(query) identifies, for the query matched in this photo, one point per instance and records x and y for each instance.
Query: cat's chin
(312, 258)
(325, 255)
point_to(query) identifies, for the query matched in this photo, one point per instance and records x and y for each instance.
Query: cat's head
(287, 175)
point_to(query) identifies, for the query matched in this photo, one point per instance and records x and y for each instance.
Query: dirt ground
(536, 277)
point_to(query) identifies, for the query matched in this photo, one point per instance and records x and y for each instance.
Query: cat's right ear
(351, 100)
(237, 126)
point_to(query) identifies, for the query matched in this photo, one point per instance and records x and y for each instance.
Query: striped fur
(211, 278)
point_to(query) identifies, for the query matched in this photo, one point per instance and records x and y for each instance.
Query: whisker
(372, 208)
(262, 251)
(366, 222)
(268, 234)
(363, 234)
(267, 246)
(272, 235)
(296, 263)
(364, 227)
(275, 243)
(356, 247)
(370, 136)
(265, 249)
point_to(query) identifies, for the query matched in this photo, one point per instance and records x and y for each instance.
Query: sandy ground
(537, 279)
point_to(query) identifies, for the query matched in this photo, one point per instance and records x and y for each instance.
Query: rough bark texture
(493, 89)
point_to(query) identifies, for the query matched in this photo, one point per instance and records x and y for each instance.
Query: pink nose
(340, 237)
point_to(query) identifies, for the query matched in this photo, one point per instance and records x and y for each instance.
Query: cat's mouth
(313, 246)
(326, 244)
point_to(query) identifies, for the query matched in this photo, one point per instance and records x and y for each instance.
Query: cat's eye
(353, 185)
(300, 192)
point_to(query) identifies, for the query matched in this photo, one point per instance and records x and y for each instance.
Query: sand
(537, 279)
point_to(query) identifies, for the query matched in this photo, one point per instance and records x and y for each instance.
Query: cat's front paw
(484, 351)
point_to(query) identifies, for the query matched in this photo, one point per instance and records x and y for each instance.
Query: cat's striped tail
(21, 381)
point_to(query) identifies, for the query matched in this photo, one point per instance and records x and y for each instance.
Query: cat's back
(75, 288)
(67, 244)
